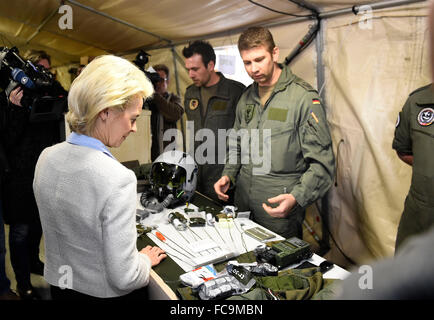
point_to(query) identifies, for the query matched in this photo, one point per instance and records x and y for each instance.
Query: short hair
(202, 48)
(255, 37)
(162, 67)
(36, 55)
(106, 82)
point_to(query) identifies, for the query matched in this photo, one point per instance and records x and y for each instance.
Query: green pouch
(294, 284)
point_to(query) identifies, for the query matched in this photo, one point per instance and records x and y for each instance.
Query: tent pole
(178, 91)
(78, 4)
(38, 29)
(56, 34)
(320, 69)
(175, 70)
(324, 15)
(320, 78)
(355, 9)
(379, 5)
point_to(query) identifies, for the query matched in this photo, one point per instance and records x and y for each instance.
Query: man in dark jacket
(24, 138)
(5, 291)
(209, 103)
(166, 110)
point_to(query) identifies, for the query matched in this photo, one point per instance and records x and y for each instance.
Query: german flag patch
(316, 101)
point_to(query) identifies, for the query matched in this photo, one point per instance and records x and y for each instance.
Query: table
(227, 237)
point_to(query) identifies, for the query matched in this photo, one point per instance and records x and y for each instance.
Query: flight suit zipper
(261, 112)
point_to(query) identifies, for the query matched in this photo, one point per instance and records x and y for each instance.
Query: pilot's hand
(286, 202)
(221, 187)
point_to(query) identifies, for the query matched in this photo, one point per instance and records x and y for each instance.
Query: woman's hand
(155, 254)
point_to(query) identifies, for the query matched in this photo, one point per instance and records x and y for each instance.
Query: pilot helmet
(174, 172)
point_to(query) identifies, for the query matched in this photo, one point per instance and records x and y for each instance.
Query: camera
(42, 94)
(140, 61)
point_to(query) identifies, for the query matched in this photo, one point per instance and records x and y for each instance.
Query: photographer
(23, 141)
(36, 57)
(166, 109)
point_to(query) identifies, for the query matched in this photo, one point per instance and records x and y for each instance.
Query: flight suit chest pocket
(220, 114)
(219, 105)
(422, 139)
(422, 136)
(423, 150)
(284, 149)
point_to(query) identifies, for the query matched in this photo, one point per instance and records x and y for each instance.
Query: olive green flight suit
(220, 114)
(302, 160)
(414, 135)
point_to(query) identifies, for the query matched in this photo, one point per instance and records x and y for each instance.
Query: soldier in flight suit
(300, 154)
(414, 144)
(209, 103)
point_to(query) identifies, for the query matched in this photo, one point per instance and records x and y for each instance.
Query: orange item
(160, 236)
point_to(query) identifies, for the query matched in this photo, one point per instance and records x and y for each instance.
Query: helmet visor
(170, 175)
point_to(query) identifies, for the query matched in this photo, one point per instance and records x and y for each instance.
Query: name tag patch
(219, 105)
(277, 114)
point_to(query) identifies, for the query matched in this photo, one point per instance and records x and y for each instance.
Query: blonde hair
(106, 82)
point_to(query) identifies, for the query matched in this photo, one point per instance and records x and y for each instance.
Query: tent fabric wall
(369, 75)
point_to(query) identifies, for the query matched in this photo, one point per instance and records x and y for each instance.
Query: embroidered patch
(194, 103)
(248, 115)
(316, 101)
(426, 117)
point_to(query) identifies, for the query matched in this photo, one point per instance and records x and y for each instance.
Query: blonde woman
(86, 198)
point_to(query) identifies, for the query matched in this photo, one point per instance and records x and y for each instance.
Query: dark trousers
(68, 294)
(417, 218)
(24, 241)
(4, 281)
